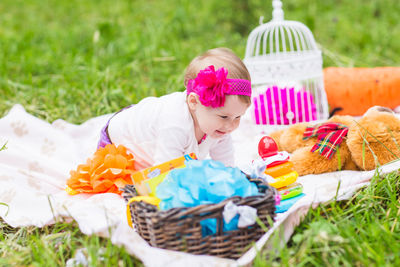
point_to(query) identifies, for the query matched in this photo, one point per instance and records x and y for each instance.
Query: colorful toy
(279, 173)
(277, 163)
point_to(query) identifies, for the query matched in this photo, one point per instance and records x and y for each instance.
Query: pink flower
(211, 86)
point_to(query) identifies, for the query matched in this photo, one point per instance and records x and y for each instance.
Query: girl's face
(216, 122)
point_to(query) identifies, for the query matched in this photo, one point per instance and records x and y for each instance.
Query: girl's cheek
(236, 124)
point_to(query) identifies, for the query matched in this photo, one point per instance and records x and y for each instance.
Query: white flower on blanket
(20, 128)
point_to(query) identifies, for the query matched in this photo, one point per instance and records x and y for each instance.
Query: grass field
(79, 59)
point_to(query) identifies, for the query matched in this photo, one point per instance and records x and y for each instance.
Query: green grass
(54, 245)
(4, 146)
(79, 59)
(364, 231)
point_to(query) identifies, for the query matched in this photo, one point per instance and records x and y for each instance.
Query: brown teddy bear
(343, 142)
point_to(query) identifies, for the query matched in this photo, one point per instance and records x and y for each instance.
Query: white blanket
(39, 155)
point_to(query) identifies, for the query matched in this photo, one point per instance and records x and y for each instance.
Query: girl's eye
(224, 117)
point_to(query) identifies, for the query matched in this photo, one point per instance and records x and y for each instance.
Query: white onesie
(159, 129)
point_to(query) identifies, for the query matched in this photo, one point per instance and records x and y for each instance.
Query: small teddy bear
(343, 142)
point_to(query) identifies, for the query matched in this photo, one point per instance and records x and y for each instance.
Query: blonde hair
(219, 57)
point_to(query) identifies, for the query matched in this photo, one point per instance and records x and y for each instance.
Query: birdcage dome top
(282, 48)
(279, 36)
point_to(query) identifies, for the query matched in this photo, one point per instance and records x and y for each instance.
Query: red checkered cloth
(330, 136)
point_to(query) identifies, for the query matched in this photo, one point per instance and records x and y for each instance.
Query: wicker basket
(180, 229)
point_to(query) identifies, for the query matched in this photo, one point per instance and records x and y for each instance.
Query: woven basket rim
(208, 208)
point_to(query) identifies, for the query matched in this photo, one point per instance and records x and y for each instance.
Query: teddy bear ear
(378, 109)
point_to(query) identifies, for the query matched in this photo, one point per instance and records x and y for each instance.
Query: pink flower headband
(212, 86)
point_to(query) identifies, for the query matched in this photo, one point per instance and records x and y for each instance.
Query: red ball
(267, 147)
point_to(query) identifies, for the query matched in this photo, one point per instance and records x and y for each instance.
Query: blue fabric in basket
(204, 182)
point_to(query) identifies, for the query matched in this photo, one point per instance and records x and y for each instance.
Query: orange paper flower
(108, 169)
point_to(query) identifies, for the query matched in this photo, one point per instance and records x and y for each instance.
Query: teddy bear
(343, 142)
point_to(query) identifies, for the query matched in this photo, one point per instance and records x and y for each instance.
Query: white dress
(159, 129)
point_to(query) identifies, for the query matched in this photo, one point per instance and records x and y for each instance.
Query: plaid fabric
(330, 136)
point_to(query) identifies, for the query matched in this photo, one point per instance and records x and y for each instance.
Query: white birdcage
(285, 65)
